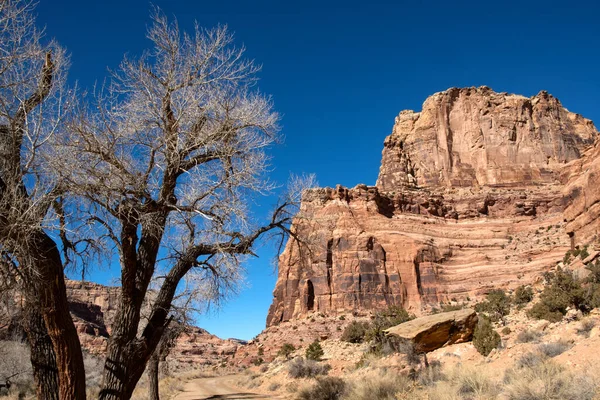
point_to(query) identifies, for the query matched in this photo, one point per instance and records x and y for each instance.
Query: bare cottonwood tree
(32, 107)
(167, 160)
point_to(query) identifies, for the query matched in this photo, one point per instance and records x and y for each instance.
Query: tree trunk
(52, 292)
(153, 365)
(126, 356)
(43, 360)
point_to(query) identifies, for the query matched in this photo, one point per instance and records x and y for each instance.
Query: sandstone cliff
(473, 193)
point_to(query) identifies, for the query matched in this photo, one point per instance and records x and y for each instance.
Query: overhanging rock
(434, 331)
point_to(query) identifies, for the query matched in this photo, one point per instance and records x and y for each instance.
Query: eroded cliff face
(473, 194)
(474, 136)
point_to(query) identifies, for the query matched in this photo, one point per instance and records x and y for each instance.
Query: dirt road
(220, 387)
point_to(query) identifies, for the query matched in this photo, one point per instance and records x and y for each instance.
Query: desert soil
(220, 387)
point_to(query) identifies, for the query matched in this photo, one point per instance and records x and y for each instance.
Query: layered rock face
(93, 308)
(474, 136)
(471, 195)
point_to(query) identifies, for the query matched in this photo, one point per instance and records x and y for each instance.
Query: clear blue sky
(339, 72)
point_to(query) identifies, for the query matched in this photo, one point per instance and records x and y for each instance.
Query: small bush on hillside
(485, 338)
(328, 388)
(530, 360)
(528, 336)
(554, 349)
(495, 306)
(523, 295)
(562, 291)
(301, 368)
(379, 385)
(383, 320)
(355, 332)
(592, 289)
(585, 326)
(314, 351)
(286, 350)
(548, 381)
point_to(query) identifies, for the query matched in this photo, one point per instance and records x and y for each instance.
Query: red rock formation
(93, 307)
(468, 198)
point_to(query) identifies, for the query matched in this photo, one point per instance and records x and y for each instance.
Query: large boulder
(434, 331)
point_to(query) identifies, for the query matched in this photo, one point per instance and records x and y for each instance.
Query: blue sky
(339, 72)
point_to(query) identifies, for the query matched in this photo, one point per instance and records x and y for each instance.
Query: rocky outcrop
(474, 136)
(470, 196)
(434, 331)
(93, 308)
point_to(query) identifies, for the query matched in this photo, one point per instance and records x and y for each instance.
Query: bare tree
(32, 107)
(166, 162)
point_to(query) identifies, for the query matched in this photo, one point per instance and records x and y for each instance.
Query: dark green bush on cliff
(495, 306)
(485, 338)
(562, 291)
(523, 295)
(355, 332)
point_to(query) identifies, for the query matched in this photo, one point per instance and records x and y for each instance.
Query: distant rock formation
(473, 194)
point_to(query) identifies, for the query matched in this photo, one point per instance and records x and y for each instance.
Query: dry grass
(379, 384)
(548, 381)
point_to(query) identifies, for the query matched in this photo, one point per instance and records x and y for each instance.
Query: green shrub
(523, 295)
(506, 330)
(328, 388)
(286, 350)
(355, 332)
(563, 290)
(485, 338)
(314, 351)
(496, 305)
(383, 320)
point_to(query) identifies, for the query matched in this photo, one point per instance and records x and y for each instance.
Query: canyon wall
(479, 190)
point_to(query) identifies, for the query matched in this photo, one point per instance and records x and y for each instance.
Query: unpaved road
(219, 387)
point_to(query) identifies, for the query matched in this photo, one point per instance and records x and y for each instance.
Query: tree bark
(43, 360)
(52, 292)
(153, 365)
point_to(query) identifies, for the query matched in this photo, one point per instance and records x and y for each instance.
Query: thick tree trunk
(153, 365)
(126, 357)
(43, 360)
(55, 310)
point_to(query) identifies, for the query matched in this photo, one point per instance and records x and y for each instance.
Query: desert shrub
(379, 385)
(383, 320)
(286, 350)
(530, 360)
(430, 375)
(407, 348)
(314, 351)
(547, 381)
(562, 291)
(585, 326)
(355, 332)
(452, 307)
(274, 386)
(506, 330)
(592, 287)
(554, 349)
(257, 361)
(301, 368)
(473, 382)
(485, 338)
(528, 336)
(523, 295)
(495, 306)
(327, 388)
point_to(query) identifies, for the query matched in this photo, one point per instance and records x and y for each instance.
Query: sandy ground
(220, 387)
